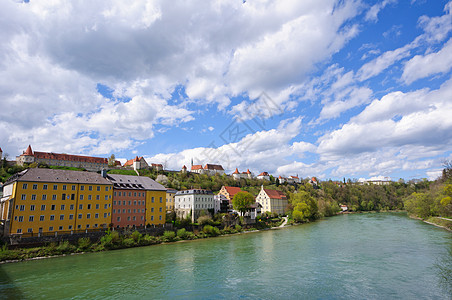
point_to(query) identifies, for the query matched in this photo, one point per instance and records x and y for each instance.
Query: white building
(209, 169)
(263, 176)
(272, 201)
(192, 202)
(221, 203)
(237, 175)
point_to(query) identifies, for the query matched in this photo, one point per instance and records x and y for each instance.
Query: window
(114, 194)
(160, 218)
(89, 197)
(31, 218)
(53, 207)
(87, 225)
(71, 217)
(32, 207)
(24, 186)
(51, 228)
(160, 209)
(81, 197)
(89, 206)
(152, 218)
(73, 187)
(79, 216)
(114, 211)
(130, 194)
(106, 188)
(97, 206)
(69, 227)
(19, 230)
(118, 219)
(96, 216)
(98, 188)
(55, 187)
(43, 207)
(35, 186)
(105, 215)
(161, 200)
(135, 202)
(61, 217)
(152, 199)
(72, 197)
(44, 197)
(97, 197)
(62, 206)
(23, 197)
(128, 218)
(80, 206)
(128, 211)
(152, 209)
(114, 203)
(123, 202)
(105, 206)
(135, 194)
(71, 207)
(129, 202)
(90, 188)
(54, 197)
(63, 197)
(33, 197)
(41, 218)
(106, 197)
(79, 226)
(134, 210)
(22, 207)
(88, 216)
(44, 187)
(64, 187)
(134, 218)
(52, 217)
(95, 225)
(142, 210)
(123, 211)
(82, 187)
(21, 219)
(60, 228)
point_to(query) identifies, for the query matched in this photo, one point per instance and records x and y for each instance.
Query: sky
(328, 88)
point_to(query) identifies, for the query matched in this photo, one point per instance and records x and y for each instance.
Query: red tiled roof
(157, 165)
(131, 161)
(232, 190)
(70, 157)
(294, 177)
(248, 171)
(236, 171)
(264, 174)
(184, 167)
(213, 167)
(274, 194)
(196, 167)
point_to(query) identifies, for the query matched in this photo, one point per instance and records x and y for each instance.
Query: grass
(441, 222)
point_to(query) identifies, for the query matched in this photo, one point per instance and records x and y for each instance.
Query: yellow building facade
(155, 207)
(170, 196)
(47, 200)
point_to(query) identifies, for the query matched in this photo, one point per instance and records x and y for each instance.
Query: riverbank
(436, 221)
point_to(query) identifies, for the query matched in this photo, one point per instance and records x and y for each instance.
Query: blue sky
(334, 89)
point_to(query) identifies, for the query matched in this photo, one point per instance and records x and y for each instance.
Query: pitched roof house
(272, 201)
(229, 192)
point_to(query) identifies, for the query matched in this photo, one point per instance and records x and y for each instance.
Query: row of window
(128, 211)
(61, 217)
(133, 218)
(60, 228)
(196, 206)
(64, 197)
(202, 199)
(129, 202)
(64, 187)
(62, 207)
(124, 194)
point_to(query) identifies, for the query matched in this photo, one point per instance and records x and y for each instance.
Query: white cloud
(421, 66)
(372, 13)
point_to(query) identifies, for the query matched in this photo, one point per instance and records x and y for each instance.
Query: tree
(112, 161)
(304, 206)
(242, 201)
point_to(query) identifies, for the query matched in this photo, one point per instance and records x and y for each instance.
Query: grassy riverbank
(113, 240)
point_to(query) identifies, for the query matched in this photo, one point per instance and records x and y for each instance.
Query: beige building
(170, 196)
(272, 201)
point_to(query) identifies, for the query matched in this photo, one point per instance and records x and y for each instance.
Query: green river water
(358, 256)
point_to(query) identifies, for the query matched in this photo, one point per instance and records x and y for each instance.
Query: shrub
(238, 228)
(210, 230)
(168, 236)
(110, 240)
(182, 233)
(65, 247)
(136, 236)
(83, 244)
(205, 220)
(129, 242)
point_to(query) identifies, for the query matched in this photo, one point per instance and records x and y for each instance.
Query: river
(357, 256)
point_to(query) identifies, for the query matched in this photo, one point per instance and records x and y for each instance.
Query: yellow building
(155, 207)
(170, 194)
(47, 200)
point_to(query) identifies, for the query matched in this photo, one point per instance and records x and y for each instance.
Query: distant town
(40, 199)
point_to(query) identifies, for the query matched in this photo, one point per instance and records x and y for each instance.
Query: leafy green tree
(242, 201)
(304, 207)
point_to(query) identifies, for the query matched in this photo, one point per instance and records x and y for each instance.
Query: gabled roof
(157, 165)
(236, 171)
(263, 174)
(60, 176)
(274, 194)
(248, 171)
(196, 167)
(134, 182)
(232, 190)
(213, 167)
(294, 177)
(131, 161)
(184, 167)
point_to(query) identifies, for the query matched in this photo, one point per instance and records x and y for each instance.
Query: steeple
(28, 151)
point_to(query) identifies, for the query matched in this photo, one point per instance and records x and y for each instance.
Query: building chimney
(103, 173)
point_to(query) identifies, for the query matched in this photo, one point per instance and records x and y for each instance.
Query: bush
(83, 244)
(65, 247)
(136, 236)
(110, 240)
(210, 230)
(238, 228)
(182, 233)
(168, 236)
(205, 220)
